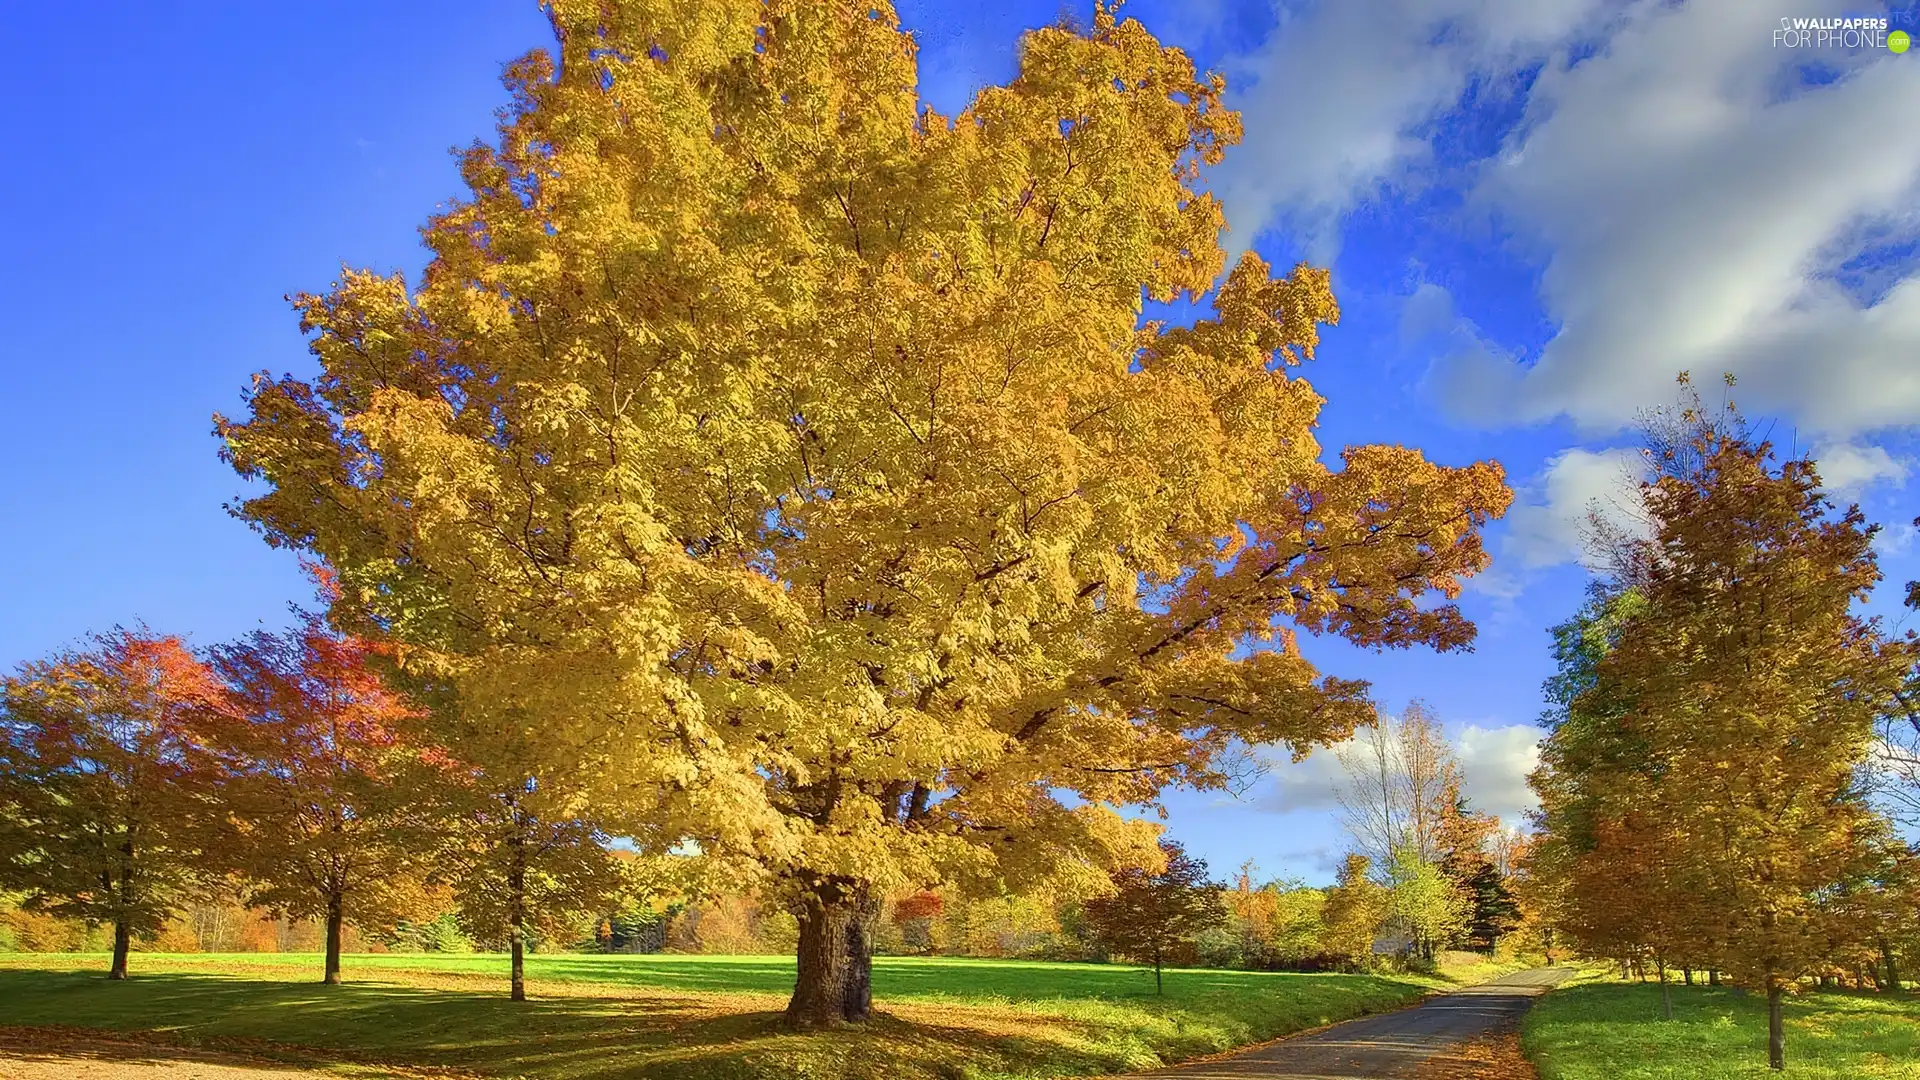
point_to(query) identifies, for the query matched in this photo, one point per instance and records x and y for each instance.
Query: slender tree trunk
(834, 981)
(1666, 992)
(517, 912)
(1159, 988)
(122, 924)
(1687, 974)
(1776, 1029)
(1893, 972)
(122, 945)
(519, 976)
(334, 919)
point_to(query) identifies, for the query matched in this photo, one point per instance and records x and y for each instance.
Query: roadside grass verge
(1613, 1031)
(686, 1017)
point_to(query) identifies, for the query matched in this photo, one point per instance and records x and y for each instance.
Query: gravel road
(1392, 1046)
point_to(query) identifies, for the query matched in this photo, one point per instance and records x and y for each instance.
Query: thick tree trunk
(834, 983)
(1713, 976)
(517, 915)
(122, 945)
(1776, 1030)
(1893, 972)
(1687, 974)
(334, 920)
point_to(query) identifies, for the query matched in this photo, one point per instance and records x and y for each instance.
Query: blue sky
(1536, 211)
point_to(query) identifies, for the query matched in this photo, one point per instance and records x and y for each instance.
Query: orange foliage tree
(1701, 792)
(1355, 911)
(109, 808)
(915, 914)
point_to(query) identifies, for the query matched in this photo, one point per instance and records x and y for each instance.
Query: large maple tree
(792, 469)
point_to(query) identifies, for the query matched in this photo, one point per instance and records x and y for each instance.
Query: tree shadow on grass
(562, 1038)
(68, 1044)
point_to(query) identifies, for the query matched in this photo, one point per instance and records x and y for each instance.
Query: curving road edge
(1390, 1046)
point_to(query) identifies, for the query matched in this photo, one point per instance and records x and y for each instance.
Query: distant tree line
(280, 794)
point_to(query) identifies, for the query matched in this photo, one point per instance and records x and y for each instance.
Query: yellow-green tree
(1355, 911)
(1424, 902)
(520, 867)
(793, 466)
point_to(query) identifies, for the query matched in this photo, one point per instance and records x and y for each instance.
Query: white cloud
(1428, 313)
(1312, 784)
(1338, 92)
(1894, 540)
(1552, 525)
(1695, 202)
(1494, 763)
(1848, 470)
(1695, 206)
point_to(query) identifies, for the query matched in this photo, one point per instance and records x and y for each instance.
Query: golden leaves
(813, 449)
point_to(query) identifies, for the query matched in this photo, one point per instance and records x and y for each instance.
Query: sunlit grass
(687, 1017)
(1613, 1031)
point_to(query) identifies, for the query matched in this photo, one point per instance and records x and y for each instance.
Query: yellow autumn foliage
(793, 469)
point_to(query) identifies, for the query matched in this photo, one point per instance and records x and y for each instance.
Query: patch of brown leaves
(1490, 1057)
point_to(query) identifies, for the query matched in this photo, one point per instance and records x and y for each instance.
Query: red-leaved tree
(327, 780)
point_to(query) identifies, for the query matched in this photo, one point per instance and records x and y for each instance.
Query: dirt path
(1427, 1040)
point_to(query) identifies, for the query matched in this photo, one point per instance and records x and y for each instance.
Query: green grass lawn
(687, 1017)
(1613, 1031)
